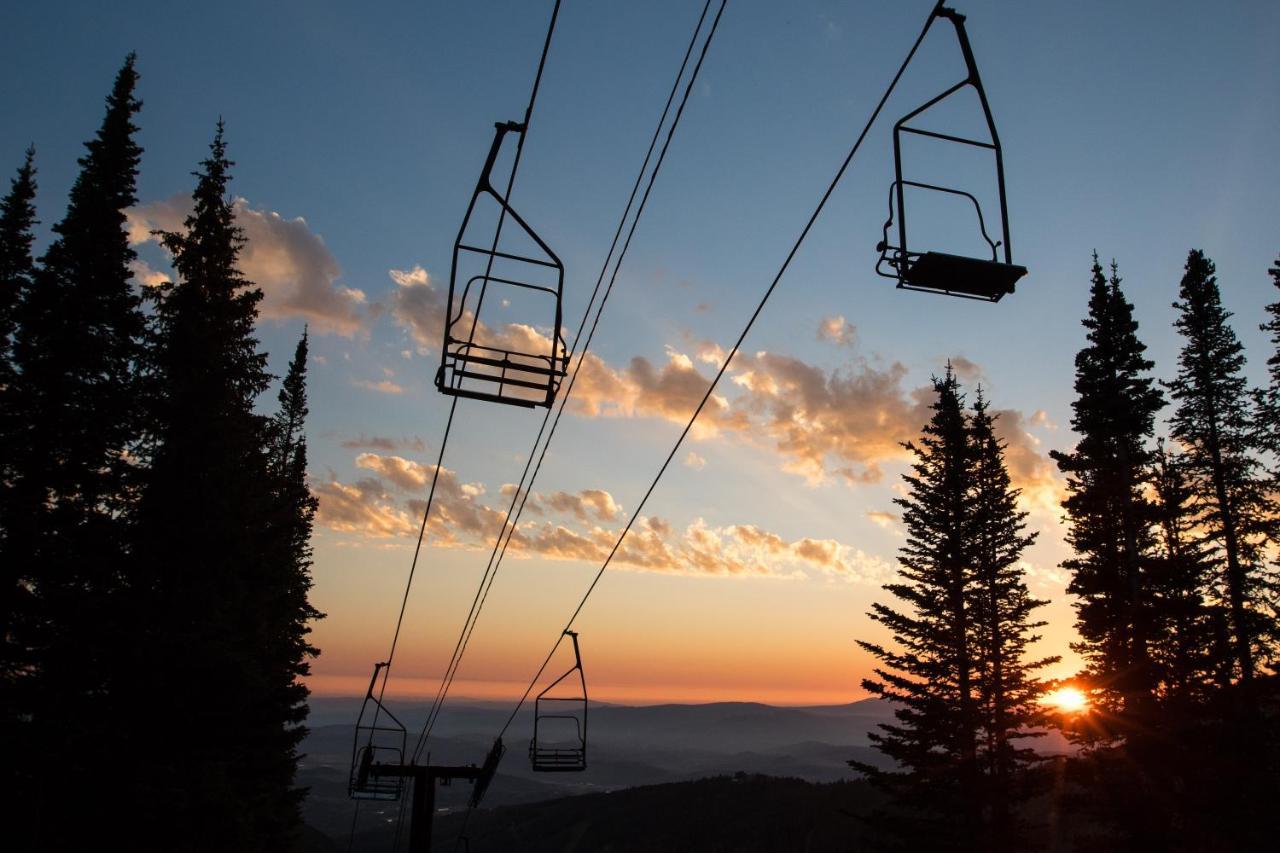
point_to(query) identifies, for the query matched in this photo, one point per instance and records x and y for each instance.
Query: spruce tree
(17, 217)
(289, 612)
(1108, 510)
(208, 543)
(71, 420)
(1268, 417)
(957, 671)
(1009, 691)
(1190, 648)
(1213, 424)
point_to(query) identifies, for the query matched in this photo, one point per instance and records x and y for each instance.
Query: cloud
(297, 273)
(837, 330)
(846, 422)
(384, 386)
(366, 511)
(968, 372)
(146, 276)
(382, 442)
(403, 473)
(596, 503)
(1036, 475)
(1041, 419)
(886, 521)
(573, 528)
(694, 461)
(418, 305)
(641, 389)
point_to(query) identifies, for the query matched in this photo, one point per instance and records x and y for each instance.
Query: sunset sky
(1140, 129)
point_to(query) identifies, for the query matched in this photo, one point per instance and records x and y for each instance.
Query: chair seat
(956, 274)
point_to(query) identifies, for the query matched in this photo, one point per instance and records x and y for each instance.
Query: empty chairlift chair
(939, 272)
(379, 743)
(559, 742)
(522, 359)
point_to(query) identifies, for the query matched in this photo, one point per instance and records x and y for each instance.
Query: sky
(1139, 130)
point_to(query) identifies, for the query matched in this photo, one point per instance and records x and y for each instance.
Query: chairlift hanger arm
(974, 79)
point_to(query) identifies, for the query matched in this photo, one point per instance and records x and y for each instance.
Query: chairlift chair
(380, 742)
(496, 369)
(939, 272)
(558, 748)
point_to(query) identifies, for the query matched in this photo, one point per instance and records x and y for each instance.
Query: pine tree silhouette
(956, 671)
(1189, 647)
(289, 612)
(17, 217)
(1268, 416)
(1002, 607)
(1214, 425)
(71, 420)
(208, 542)
(1110, 516)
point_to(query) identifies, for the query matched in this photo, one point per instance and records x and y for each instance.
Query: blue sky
(1140, 129)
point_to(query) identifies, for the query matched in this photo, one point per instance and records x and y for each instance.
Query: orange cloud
(383, 386)
(837, 330)
(297, 273)
(459, 518)
(847, 422)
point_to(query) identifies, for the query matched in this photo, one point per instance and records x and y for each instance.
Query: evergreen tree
(1109, 513)
(211, 553)
(289, 611)
(1213, 424)
(1002, 607)
(1190, 647)
(17, 217)
(958, 674)
(1268, 419)
(70, 421)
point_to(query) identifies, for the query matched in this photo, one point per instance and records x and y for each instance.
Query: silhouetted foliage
(1213, 423)
(221, 538)
(1109, 513)
(284, 643)
(72, 413)
(1004, 629)
(1268, 419)
(17, 218)
(957, 671)
(1190, 647)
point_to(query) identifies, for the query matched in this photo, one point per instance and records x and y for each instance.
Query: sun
(1068, 700)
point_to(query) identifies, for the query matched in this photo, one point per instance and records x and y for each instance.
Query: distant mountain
(627, 747)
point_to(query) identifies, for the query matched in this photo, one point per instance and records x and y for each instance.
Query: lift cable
(515, 165)
(453, 407)
(525, 486)
(804, 233)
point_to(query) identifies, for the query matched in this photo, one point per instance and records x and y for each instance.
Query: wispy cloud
(573, 526)
(382, 386)
(837, 330)
(382, 442)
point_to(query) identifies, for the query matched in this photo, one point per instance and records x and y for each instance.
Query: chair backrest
(938, 272)
(522, 361)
